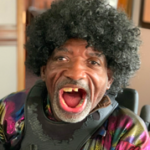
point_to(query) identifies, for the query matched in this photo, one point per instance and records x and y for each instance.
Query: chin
(70, 117)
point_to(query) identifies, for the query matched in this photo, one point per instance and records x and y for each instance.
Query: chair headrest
(128, 98)
(145, 115)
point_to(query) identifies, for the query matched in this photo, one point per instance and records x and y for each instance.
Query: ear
(43, 69)
(110, 78)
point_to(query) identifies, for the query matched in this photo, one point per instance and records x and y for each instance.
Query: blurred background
(15, 15)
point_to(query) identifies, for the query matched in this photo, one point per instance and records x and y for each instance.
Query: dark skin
(88, 70)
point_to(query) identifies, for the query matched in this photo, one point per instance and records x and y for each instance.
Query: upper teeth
(70, 89)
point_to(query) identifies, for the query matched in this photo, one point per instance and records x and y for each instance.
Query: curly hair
(102, 26)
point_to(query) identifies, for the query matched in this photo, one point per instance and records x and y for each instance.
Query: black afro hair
(102, 26)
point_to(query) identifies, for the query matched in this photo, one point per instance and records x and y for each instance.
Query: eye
(61, 58)
(93, 62)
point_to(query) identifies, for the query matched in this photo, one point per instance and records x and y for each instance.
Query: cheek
(53, 74)
(100, 86)
(50, 77)
(100, 80)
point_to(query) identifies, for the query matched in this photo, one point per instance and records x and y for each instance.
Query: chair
(128, 98)
(145, 115)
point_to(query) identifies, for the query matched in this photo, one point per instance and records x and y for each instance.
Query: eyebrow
(62, 49)
(96, 54)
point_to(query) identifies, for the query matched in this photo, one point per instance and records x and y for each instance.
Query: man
(85, 51)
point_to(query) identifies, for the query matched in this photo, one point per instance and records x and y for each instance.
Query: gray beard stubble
(67, 116)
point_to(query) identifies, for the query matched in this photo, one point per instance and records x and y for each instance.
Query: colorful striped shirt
(123, 130)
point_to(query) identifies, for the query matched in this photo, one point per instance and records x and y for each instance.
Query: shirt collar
(105, 101)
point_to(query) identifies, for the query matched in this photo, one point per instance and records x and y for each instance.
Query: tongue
(72, 99)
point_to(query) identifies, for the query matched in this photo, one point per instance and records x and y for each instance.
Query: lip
(66, 108)
(73, 86)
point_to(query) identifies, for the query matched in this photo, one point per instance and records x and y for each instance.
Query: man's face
(76, 77)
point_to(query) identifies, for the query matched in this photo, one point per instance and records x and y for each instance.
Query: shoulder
(123, 115)
(13, 103)
(11, 113)
(16, 96)
(127, 127)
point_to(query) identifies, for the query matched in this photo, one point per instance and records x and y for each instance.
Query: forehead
(77, 45)
(74, 41)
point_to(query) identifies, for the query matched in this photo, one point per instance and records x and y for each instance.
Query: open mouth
(72, 99)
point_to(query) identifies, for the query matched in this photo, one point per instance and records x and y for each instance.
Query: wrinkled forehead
(72, 45)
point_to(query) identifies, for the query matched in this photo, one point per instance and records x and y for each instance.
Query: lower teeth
(80, 103)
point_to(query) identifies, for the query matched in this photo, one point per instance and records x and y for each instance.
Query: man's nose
(76, 70)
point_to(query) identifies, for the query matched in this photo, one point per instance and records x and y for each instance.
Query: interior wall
(8, 12)
(8, 75)
(8, 53)
(141, 82)
(8, 67)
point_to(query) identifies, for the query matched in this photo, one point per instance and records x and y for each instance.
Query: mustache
(79, 83)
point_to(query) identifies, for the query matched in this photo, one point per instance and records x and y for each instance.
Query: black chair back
(145, 115)
(128, 98)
